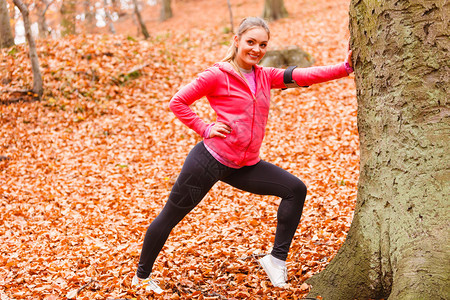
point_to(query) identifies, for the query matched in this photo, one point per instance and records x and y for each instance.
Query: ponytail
(231, 53)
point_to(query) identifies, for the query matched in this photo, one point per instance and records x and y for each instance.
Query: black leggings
(199, 173)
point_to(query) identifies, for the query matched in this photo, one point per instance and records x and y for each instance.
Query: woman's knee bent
(299, 190)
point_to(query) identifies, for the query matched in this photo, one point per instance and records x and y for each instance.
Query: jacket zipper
(251, 135)
(253, 115)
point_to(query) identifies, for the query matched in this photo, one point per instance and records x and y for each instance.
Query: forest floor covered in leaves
(85, 170)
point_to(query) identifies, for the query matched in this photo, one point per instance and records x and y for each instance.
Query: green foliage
(123, 79)
(13, 51)
(226, 30)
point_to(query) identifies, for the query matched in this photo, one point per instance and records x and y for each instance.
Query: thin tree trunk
(37, 78)
(42, 22)
(141, 22)
(166, 10)
(109, 19)
(68, 11)
(231, 15)
(274, 10)
(116, 7)
(6, 35)
(399, 242)
(89, 12)
(12, 16)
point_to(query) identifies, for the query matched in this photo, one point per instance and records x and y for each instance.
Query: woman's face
(251, 47)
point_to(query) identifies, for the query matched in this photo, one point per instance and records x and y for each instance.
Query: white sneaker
(277, 274)
(148, 283)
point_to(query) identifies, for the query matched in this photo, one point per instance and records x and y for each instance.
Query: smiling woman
(251, 47)
(239, 92)
(254, 34)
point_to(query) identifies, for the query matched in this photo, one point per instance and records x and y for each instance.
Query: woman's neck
(239, 69)
(246, 71)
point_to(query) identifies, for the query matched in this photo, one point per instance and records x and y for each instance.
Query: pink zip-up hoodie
(235, 105)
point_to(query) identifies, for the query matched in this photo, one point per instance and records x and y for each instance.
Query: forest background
(85, 169)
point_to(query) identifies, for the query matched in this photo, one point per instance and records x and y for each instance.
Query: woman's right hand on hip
(219, 130)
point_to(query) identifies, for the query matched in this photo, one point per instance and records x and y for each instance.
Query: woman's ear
(236, 41)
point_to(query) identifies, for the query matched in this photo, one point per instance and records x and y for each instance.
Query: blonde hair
(245, 25)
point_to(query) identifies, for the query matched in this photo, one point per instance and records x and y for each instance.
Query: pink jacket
(235, 105)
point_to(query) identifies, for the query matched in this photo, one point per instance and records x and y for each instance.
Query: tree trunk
(109, 20)
(42, 8)
(398, 245)
(12, 16)
(274, 10)
(115, 5)
(141, 22)
(116, 8)
(37, 78)
(6, 35)
(231, 16)
(68, 14)
(89, 12)
(166, 11)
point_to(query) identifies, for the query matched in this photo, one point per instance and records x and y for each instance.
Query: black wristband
(287, 78)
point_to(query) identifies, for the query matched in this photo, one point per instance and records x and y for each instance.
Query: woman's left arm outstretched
(313, 75)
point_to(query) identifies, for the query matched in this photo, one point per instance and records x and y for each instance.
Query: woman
(239, 92)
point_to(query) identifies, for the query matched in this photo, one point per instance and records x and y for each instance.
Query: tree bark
(6, 35)
(274, 10)
(37, 77)
(89, 12)
(68, 14)
(399, 243)
(42, 22)
(141, 22)
(109, 19)
(116, 7)
(231, 16)
(12, 16)
(166, 10)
